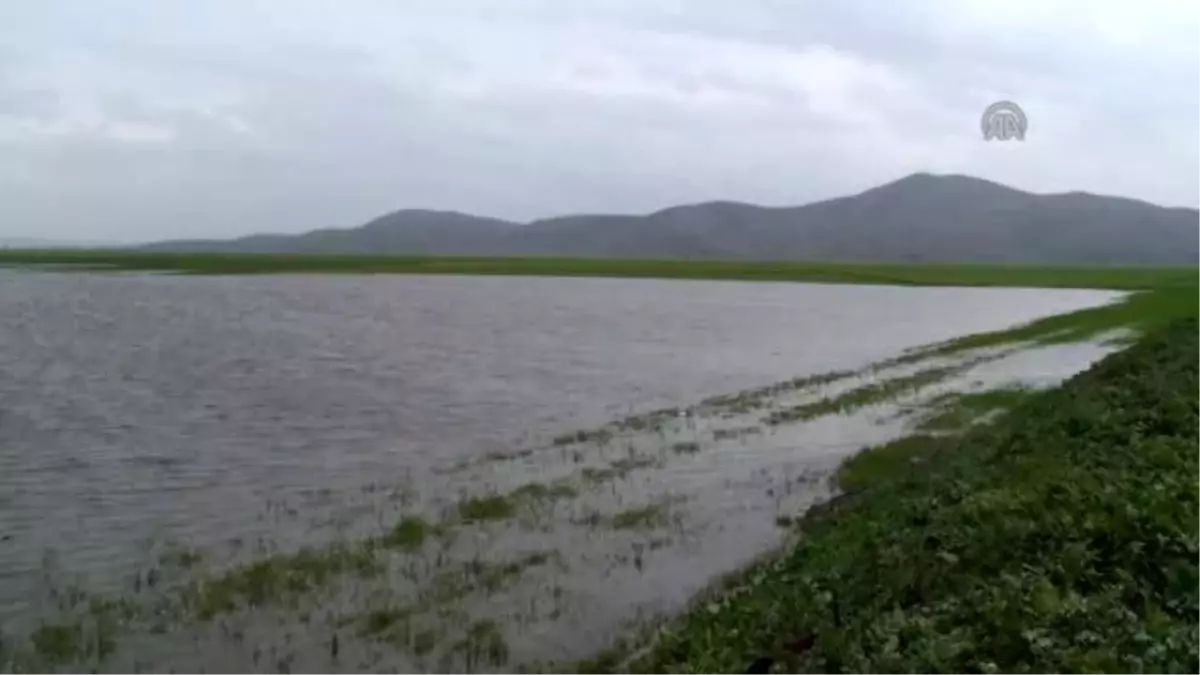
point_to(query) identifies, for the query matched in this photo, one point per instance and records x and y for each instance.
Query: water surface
(223, 410)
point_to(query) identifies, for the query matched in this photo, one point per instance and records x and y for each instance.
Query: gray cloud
(130, 120)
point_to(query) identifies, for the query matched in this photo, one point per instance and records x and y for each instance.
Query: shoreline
(742, 623)
(1034, 275)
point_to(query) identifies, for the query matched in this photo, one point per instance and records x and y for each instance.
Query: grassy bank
(1063, 537)
(1128, 278)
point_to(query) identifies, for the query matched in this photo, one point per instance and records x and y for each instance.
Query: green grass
(1129, 278)
(891, 461)
(1061, 538)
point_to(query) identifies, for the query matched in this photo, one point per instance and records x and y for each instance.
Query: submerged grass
(475, 575)
(490, 507)
(484, 644)
(542, 492)
(269, 580)
(867, 394)
(685, 447)
(279, 577)
(959, 411)
(652, 515)
(409, 533)
(1061, 538)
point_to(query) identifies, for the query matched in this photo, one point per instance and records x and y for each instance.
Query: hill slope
(921, 218)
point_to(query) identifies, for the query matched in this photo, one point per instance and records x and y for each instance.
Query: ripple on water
(239, 416)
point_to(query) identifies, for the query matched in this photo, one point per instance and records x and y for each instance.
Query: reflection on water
(244, 415)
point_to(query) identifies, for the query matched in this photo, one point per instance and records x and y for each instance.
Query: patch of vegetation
(626, 464)
(594, 475)
(889, 462)
(957, 412)
(409, 533)
(753, 399)
(495, 577)
(650, 420)
(424, 642)
(453, 585)
(686, 448)
(500, 456)
(617, 469)
(180, 557)
(734, 432)
(652, 515)
(393, 624)
(491, 507)
(382, 620)
(484, 644)
(58, 643)
(1062, 538)
(601, 435)
(868, 394)
(278, 577)
(1063, 276)
(541, 492)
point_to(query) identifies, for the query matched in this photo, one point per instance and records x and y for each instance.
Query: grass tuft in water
(492, 507)
(57, 643)
(380, 621)
(409, 534)
(601, 435)
(541, 492)
(735, 432)
(484, 644)
(424, 642)
(653, 515)
(686, 448)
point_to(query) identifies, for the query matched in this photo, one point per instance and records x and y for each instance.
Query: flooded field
(407, 473)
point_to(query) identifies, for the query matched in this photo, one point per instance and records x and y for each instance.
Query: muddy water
(235, 417)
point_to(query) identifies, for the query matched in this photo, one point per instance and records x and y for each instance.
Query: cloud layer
(130, 120)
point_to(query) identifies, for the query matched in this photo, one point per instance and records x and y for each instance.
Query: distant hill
(921, 218)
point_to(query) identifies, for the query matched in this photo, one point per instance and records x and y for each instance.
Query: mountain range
(920, 218)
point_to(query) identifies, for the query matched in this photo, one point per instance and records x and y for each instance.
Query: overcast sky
(133, 120)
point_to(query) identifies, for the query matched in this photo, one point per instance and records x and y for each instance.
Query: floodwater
(234, 417)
